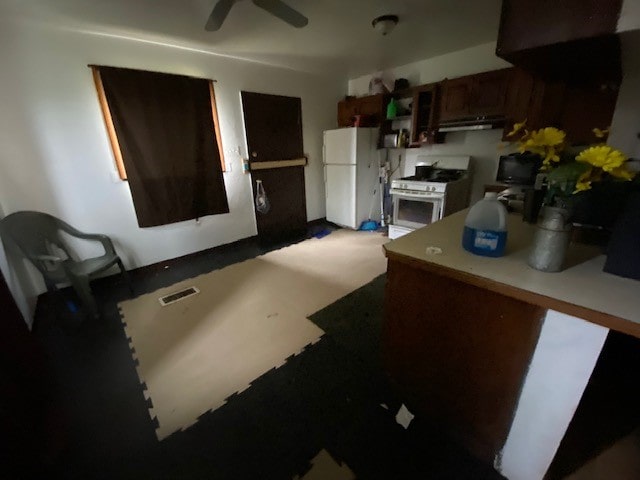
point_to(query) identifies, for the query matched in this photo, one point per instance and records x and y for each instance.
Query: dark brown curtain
(165, 129)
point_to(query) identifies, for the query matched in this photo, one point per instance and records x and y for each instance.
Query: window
(165, 137)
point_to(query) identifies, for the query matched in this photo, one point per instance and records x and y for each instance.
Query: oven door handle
(417, 196)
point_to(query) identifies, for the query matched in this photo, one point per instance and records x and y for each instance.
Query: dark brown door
(273, 125)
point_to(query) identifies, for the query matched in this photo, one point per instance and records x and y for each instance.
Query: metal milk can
(551, 240)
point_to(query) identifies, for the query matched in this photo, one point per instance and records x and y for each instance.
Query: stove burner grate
(437, 175)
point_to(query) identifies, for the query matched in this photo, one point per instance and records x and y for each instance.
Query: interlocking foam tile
(248, 318)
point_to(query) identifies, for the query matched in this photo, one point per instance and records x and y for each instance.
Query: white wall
(481, 58)
(566, 354)
(629, 16)
(55, 155)
(625, 125)
(484, 146)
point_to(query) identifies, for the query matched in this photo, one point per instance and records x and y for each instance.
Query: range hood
(472, 123)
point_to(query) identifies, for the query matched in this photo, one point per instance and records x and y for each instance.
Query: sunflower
(604, 157)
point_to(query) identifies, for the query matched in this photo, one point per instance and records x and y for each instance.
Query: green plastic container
(392, 109)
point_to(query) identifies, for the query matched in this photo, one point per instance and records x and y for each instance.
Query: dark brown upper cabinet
(371, 106)
(533, 99)
(424, 115)
(489, 92)
(576, 109)
(570, 40)
(403, 117)
(456, 99)
(420, 120)
(480, 95)
(586, 107)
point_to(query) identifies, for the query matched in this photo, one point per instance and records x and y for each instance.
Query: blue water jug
(485, 228)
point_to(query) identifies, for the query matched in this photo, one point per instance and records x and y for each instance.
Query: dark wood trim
(609, 321)
(108, 123)
(216, 124)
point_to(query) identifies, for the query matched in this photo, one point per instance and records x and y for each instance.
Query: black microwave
(518, 168)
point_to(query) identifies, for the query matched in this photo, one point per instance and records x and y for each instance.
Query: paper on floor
(404, 416)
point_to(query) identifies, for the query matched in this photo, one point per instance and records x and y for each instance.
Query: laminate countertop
(582, 289)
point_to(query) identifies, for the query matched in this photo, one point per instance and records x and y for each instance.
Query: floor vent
(177, 296)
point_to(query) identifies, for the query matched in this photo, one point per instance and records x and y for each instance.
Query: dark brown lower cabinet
(458, 354)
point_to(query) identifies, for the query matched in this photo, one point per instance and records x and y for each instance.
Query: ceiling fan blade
(283, 11)
(218, 14)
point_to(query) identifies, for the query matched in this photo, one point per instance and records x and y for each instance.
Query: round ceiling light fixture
(385, 23)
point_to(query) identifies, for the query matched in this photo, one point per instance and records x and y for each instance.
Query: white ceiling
(338, 39)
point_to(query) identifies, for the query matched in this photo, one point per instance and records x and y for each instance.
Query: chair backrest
(35, 233)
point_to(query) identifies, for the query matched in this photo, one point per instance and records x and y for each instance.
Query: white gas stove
(439, 187)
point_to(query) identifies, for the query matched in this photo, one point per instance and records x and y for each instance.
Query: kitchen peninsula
(493, 352)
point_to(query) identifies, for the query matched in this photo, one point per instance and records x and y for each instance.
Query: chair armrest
(47, 258)
(103, 239)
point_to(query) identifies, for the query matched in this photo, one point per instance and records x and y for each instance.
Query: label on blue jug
(489, 243)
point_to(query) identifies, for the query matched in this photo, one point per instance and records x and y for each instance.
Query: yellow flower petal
(622, 173)
(547, 137)
(602, 156)
(551, 156)
(600, 133)
(582, 186)
(517, 127)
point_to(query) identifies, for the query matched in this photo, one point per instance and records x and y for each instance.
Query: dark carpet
(330, 397)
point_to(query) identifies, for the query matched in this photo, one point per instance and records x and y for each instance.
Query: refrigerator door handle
(324, 175)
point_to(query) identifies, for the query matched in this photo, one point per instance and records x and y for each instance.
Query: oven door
(416, 210)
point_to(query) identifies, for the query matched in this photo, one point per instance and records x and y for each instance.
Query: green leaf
(567, 173)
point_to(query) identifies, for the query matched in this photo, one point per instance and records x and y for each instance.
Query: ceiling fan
(276, 8)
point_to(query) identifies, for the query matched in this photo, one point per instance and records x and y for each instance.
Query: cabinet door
(525, 24)
(586, 107)
(372, 106)
(346, 111)
(489, 93)
(519, 94)
(462, 363)
(423, 113)
(571, 40)
(545, 107)
(456, 96)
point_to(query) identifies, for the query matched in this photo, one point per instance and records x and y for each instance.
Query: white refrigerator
(351, 175)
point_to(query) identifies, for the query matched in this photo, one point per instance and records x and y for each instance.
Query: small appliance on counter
(524, 185)
(518, 169)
